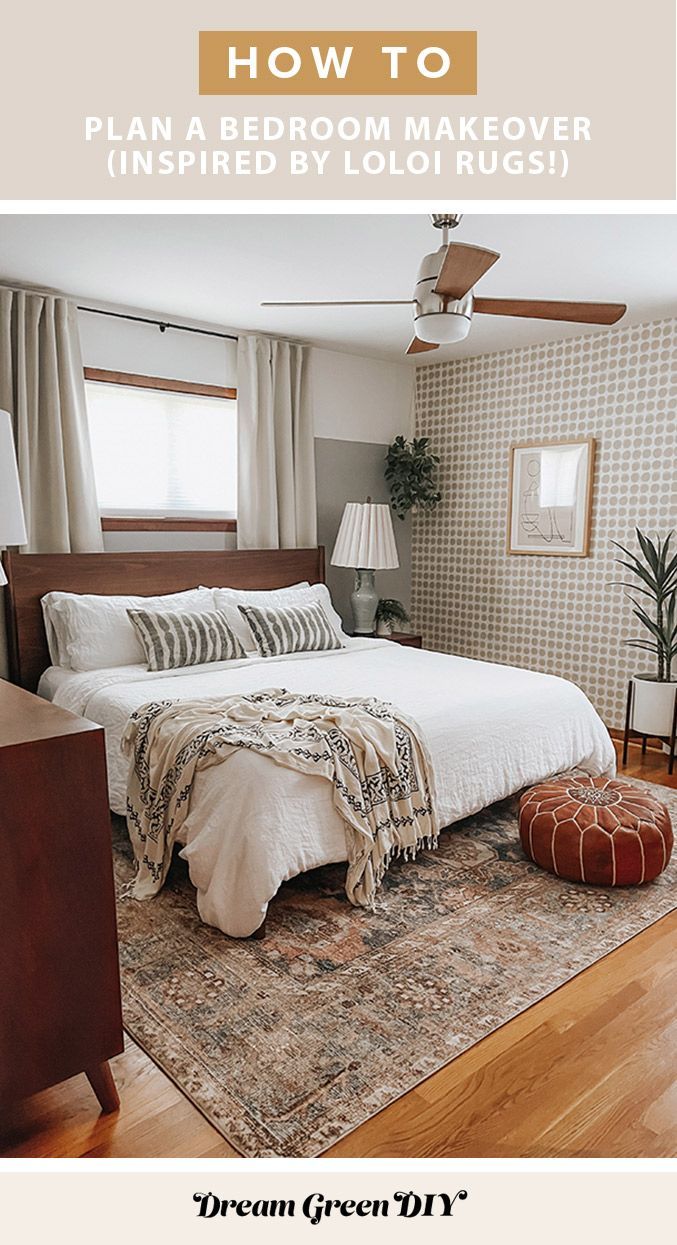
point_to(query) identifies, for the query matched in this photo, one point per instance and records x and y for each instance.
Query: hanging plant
(410, 473)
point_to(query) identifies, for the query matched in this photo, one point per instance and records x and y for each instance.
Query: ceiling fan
(444, 299)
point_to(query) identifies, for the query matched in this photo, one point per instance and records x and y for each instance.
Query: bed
(490, 729)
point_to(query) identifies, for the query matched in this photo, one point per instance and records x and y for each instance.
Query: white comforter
(490, 731)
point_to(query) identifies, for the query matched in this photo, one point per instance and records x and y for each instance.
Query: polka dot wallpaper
(556, 614)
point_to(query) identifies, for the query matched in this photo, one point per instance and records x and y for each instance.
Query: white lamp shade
(12, 526)
(365, 538)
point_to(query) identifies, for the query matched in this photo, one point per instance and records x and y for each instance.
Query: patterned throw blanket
(373, 756)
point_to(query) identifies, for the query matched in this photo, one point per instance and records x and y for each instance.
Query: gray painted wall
(353, 471)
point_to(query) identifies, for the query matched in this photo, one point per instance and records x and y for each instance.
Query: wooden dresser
(60, 1008)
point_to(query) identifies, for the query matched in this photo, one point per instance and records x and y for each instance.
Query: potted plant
(388, 612)
(410, 473)
(655, 572)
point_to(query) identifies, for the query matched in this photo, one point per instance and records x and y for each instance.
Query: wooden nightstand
(59, 977)
(403, 637)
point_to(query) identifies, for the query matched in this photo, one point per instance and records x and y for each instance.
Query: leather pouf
(596, 830)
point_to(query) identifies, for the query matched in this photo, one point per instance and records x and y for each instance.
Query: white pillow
(91, 632)
(56, 640)
(228, 600)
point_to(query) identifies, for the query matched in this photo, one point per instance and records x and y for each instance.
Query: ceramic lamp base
(364, 600)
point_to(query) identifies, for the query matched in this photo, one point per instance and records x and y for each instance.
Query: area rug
(288, 1043)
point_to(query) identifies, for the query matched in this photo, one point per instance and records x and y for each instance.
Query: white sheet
(490, 730)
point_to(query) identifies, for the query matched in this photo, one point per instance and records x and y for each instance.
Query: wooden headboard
(31, 575)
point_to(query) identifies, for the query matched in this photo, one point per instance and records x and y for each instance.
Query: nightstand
(403, 637)
(59, 977)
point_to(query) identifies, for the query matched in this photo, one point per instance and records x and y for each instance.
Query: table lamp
(12, 526)
(366, 543)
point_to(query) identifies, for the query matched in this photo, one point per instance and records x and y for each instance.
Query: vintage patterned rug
(288, 1043)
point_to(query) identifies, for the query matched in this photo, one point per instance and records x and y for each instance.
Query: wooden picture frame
(557, 525)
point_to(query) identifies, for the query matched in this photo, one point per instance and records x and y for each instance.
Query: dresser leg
(101, 1081)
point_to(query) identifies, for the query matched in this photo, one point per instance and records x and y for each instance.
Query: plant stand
(632, 734)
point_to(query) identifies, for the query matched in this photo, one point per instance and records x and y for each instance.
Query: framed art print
(551, 497)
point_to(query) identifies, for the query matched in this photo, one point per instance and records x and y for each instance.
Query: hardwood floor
(591, 1070)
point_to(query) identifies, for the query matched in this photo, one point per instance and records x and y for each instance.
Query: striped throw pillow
(297, 629)
(178, 639)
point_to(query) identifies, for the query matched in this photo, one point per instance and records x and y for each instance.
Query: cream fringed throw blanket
(373, 756)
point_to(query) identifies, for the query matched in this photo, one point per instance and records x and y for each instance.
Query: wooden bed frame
(31, 575)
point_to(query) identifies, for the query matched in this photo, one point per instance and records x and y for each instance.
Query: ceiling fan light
(442, 327)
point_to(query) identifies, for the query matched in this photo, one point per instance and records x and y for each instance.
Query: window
(163, 450)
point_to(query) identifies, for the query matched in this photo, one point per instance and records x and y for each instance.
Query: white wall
(355, 398)
(358, 399)
(126, 346)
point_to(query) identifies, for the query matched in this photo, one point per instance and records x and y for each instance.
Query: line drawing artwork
(550, 500)
(551, 524)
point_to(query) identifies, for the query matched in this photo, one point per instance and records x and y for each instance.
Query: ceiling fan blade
(462, 268)
(416, 346)
(354, 302)
(543, 309)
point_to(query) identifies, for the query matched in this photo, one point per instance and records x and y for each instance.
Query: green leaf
(649, 624)
(649, 550)
(628, 552)
(410, 474)
(623, 583)
(640, 571)
(390, 610)
(663, 549)
(670, 622)
(671, 568)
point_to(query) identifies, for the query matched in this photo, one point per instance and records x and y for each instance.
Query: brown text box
(369, 70)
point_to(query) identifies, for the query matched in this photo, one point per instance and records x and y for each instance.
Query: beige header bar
(578, 107)
(338, 62)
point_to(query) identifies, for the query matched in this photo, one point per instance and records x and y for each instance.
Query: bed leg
(261, 931)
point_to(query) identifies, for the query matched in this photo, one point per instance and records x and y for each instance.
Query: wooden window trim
(132, 379)
(129, 523)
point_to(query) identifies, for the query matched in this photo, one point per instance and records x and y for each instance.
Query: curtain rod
(163, 325)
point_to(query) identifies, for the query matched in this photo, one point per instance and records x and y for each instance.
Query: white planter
(384, 628)
(653, 705)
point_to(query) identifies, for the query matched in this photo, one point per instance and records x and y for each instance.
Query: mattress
(490, 731)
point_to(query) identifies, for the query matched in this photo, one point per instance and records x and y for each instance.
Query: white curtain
(42, 386)
(276, 504)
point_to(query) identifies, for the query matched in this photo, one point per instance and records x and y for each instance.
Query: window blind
(159, 453)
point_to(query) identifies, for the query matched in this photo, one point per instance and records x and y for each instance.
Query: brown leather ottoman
(596, 830)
